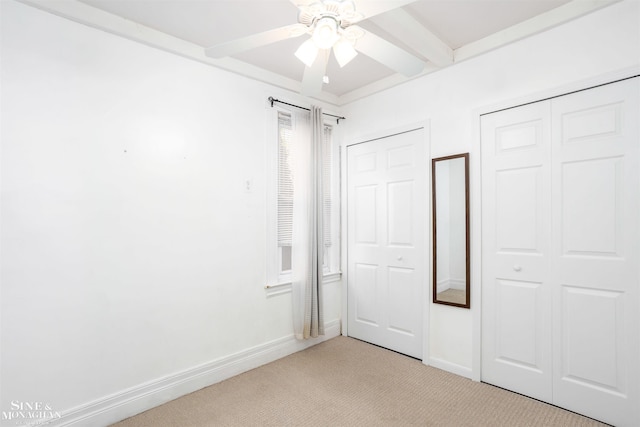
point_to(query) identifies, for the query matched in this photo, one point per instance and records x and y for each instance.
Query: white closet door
(516, 314)
(561, 251)
(386, 214)
(595, 249)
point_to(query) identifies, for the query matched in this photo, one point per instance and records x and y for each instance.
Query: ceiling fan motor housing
(343, 13)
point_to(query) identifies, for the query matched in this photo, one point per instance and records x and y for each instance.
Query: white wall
(599, 43)
(133, 259)
(457, 235)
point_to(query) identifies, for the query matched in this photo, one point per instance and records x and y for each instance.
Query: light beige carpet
(346, 382)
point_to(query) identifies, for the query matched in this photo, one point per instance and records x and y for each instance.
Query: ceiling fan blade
(389, 54)
(255, 40)
(313, 76)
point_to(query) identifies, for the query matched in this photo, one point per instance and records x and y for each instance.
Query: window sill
(285, 287)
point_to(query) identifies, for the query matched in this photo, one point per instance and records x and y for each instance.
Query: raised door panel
(592, 208)
(593, 316)
(401, 157)
(519, 216)
(402, 300)
(399, 213)
(365, 286)
(365, 201)
(520, 311)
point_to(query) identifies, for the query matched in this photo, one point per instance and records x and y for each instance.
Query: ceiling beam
(383, 84)
(401, 25)
(389, 55)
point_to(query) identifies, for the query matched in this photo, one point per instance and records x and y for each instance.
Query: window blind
(285, 181)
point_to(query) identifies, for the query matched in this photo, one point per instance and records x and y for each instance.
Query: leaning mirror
(451, 276)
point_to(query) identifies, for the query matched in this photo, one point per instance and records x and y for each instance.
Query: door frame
(476, 189)
(344, 253)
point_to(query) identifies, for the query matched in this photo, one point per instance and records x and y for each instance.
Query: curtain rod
(272, 100)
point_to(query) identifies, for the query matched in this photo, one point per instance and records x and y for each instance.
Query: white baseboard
(450, 367)
(442, 285)
(447, 284)
(459, 284)
(138, 399)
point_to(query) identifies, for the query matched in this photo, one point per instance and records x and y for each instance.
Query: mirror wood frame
(434, 162)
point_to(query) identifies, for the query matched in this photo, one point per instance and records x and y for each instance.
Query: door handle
(400, 258)
(517, 268)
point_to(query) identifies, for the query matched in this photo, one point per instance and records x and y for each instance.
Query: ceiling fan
(331, 25)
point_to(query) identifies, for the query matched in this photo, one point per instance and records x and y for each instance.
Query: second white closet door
(560, 297)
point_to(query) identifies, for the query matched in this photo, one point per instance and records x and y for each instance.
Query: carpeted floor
(453, 295)
(346, 382)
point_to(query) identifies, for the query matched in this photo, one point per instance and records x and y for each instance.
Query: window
(282, 204)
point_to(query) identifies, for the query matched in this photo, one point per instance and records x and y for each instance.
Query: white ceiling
(440, 32)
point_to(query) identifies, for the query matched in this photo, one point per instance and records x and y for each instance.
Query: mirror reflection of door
(451, 230)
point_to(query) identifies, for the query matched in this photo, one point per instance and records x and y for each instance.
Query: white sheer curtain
(307, 238)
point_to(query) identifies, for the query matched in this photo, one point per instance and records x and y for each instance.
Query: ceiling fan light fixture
(344, 52)
(307, 52)
(325, 33)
